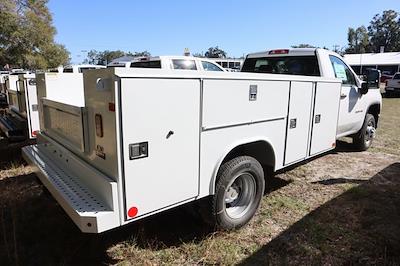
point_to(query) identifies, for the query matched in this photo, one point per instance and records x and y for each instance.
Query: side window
(207, 66)
(342, 71)
(184, 64)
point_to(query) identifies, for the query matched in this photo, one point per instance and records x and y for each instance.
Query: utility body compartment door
(160, 131)
(298, 127)
(325, 117)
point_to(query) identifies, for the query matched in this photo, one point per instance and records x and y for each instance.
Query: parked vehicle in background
(3, 95)
(359, 106)
(171, 62)
(386, 75)
(393, 85)
(21, 120)
(80, 68)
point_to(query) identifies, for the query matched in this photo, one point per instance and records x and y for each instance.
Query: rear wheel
(363, 140)
(238, 192)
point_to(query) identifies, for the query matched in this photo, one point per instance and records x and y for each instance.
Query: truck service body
(148, 140)
(22, 119)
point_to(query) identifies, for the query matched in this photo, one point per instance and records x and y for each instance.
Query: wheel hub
(240, 195)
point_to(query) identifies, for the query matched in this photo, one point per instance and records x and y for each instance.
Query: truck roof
(284, 52)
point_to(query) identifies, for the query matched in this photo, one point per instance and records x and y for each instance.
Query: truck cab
(356, 99)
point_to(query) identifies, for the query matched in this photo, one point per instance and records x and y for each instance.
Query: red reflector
(111, 107)
(281, 51)
(34, 133)
(133, 212)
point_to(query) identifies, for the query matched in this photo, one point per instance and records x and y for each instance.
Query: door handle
(343, 95)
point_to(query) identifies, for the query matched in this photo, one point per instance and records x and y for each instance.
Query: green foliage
(384, 30)
(215, 52)
(303, 45)
(105, 57)
(27, 36)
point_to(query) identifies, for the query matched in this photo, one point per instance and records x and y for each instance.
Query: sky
(238, 27)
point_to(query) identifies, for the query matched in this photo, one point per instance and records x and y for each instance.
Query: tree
(27, 35)
(215, 52)
(103, 58)
(136, 54)
(303, 45)
(358, 41)
(384, 30)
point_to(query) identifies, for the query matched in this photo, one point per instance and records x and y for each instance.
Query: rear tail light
(280, 51)
(99, 125)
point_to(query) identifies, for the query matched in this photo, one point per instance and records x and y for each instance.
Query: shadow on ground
(359, 227)
(35, 230)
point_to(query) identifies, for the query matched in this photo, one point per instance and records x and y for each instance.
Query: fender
(233, 146)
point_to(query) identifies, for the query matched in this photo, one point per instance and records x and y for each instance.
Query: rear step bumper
(86, 195)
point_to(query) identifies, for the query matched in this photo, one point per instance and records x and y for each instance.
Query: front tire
(363, 139)
(238, 192)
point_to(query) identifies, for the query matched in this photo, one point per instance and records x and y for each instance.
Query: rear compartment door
(298, 126)
(325, 117)
(160, 129)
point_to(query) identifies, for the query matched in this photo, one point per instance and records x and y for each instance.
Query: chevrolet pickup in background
(360, 106)
(393, 85)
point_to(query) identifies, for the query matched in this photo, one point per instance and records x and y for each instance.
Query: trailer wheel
(238, 192)
(363, 139)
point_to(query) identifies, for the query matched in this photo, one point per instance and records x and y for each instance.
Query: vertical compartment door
(160, 131)
(298, 126)
(325, 118)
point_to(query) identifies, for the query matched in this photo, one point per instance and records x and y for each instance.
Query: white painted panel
(227, 103)
(217, 143)
(327, 97)
(151, 108)
(33, 118)
(298, 121)
(62, 87)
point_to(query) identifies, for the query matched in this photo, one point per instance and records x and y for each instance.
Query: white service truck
(21, 121)
(148, 140)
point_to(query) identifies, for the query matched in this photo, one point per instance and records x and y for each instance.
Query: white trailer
(149, 140)
(22, 120)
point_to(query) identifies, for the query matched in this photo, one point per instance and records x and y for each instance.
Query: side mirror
(373, 77)
(364, 88)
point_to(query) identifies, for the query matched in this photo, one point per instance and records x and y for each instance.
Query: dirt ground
(339, 209)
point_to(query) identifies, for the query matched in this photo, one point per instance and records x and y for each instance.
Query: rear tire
(363, 139)
(238, 192)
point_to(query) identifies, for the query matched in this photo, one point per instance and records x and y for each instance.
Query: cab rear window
(292, 65)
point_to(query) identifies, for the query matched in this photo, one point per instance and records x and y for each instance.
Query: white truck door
(325, 117)
(161, 132)
(298, 125)
(32, 105)
(351, 111)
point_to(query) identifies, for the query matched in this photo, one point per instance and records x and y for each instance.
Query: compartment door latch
(138, 150)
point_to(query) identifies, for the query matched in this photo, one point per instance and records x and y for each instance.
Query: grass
(342, 208)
